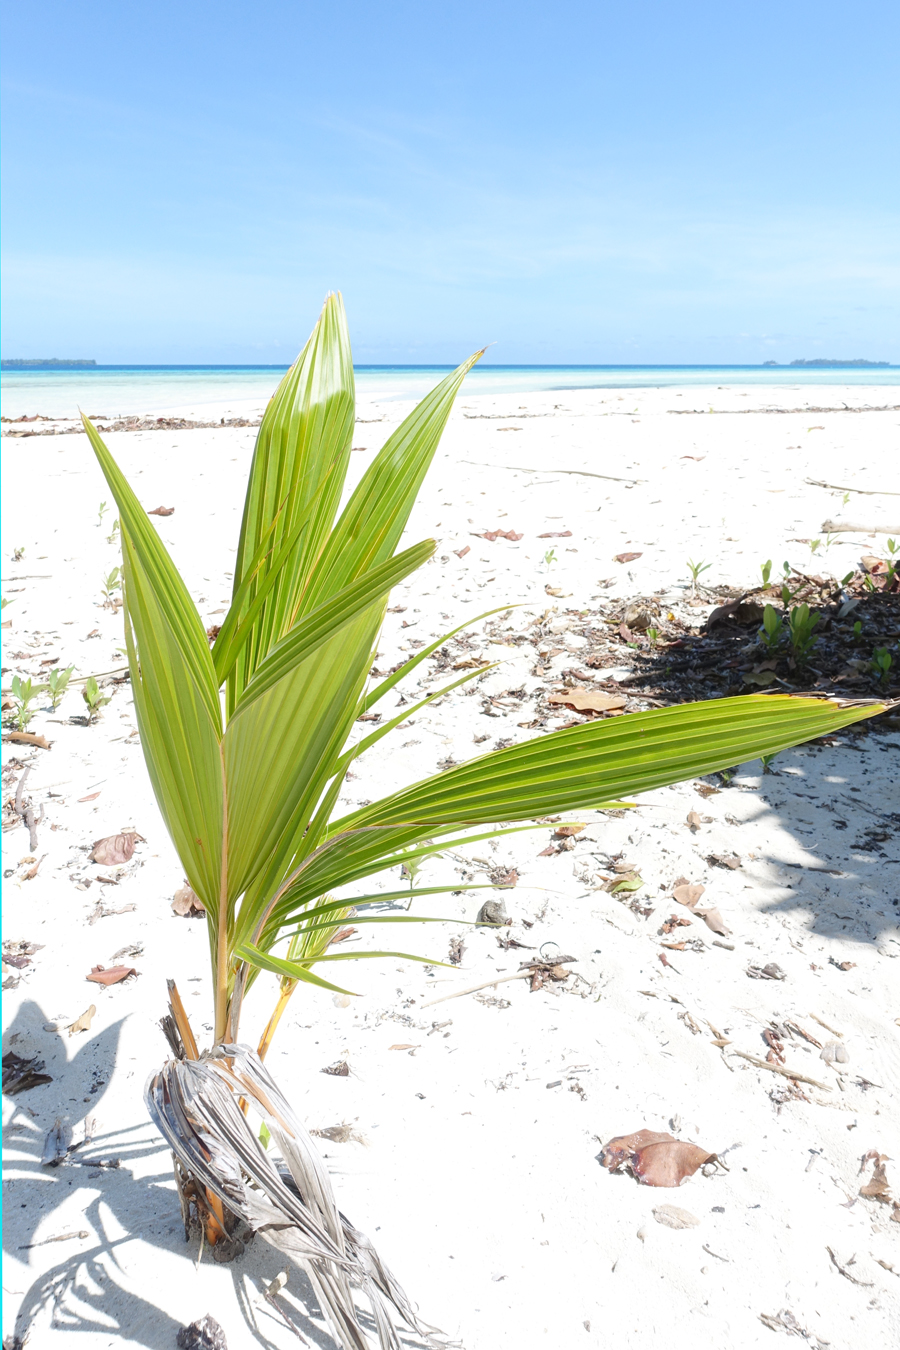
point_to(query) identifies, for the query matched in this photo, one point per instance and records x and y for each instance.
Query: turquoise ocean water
(111, 391)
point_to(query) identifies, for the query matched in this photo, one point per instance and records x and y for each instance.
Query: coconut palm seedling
(695, 569)
(24, 693)
(248, 744)
(111, 583)
(94, 698)
(881, 663)
(770, 633)
(801, 623)
(57, 683)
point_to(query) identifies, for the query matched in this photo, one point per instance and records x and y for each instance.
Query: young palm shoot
(248, 781)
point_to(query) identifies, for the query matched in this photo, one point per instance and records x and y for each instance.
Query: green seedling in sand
(814, 545)
(801, 623)
(549, 558)
(113, 535)
(101, 512)
(771, 631)
(24, 693)
(94, 698)
(112, 583)
(249, 741)
(857, 630)
(766, 762)
(695, 569)
(18, 554)
(881, 664)
(766, 572)
(653, 636)
(57, 684)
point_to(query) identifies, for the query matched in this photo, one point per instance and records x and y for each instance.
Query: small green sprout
(881, 664)
(857, 630)
(653, 636)
(770, 633)
(114, 532)
(766, 571)
(94, 699)
(101, 512)
(24, 693)
(57, 683)
(814, 545)
(112, 583)
(767, 760)
(801, 623)
(695, 568)
(549, 557)
(848, 578)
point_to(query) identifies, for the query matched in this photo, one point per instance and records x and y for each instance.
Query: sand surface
(480, 1118)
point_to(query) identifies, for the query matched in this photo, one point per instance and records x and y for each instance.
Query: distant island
(821, 361)
(38, 364)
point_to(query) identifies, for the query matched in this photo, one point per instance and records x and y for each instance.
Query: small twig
(270, 1298)
(866, 1284)
(580, 473)
(488, 984)
(785, 1073)
(60, 1237)
(716, 1254)
(863, 492)
(833, 1030)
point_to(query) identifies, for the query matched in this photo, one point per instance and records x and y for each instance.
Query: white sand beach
(477, 1122)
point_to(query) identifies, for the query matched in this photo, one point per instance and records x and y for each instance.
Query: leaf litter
(655, 1158)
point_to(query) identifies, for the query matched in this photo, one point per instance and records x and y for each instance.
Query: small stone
(493, 912)
(673, 1217)
(205, 1334)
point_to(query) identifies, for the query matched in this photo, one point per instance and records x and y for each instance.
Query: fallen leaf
(688, 895)
(114, 975)
(91, 797)
(28, 738)
(471, 663)
(713, 919)
(670, 1215)
(583, 700)
(770, 972)
(556, 534)
(114, 849)
(761, 678)
(627, 557)
(493, 535)
(698, 458)
(694, 821)
(33, 870)
(729, 860)
(186, 903)
(656, 1159)
(706, 790)
(565, 831)
(342, 935)
(82, 1023)
(20, 1074)
(461, 552)
(403, 1046)
(556, 590)
(162, 511)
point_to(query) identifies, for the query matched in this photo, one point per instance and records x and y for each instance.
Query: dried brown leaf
(113, 975)
(28, 738)
(714, 920)
(627, 557)
(556, 534)
(162, 511)
(115, 849)
(693, 821)
(82, 1023)
(186, 903)
(687, 894)
(656, 1159)
(583, 700)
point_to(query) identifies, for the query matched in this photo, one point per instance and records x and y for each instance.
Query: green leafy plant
(893, 549)
(94, 698)
(801, 623)
(114, 532)
(111, 583)
(772, 628)
(695, 568)
(57, 683)
(101, 512)
(766, 571)
(881, 663)
(549, 558)
(857, 630)
(249, 783)
(24, 693)
(814, 545)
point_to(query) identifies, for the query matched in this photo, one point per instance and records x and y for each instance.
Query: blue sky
(571, 182)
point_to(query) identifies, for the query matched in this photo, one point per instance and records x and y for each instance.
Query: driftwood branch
(785, 1073)
(850, 527)
(862, 492)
